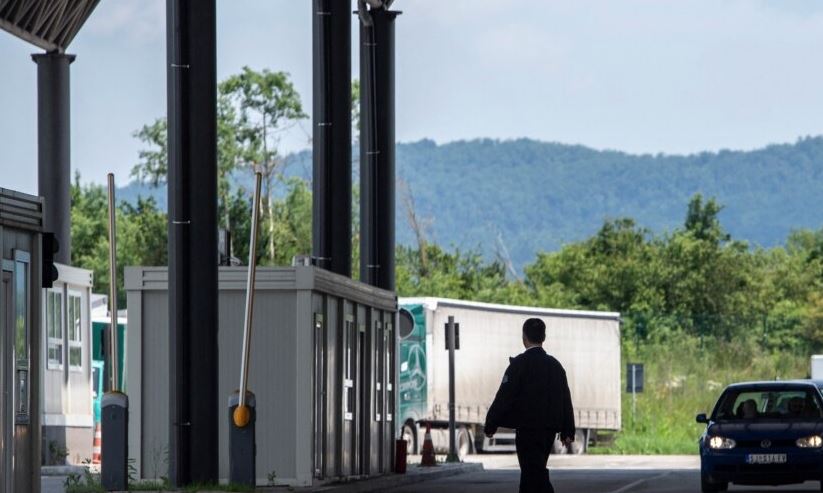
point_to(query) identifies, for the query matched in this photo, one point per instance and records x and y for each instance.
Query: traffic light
(50, 247)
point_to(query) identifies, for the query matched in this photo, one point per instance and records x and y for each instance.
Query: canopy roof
(49, 24)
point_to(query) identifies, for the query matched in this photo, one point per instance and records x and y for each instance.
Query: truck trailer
(587, 343)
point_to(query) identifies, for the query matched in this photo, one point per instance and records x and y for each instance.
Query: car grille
(774, 444)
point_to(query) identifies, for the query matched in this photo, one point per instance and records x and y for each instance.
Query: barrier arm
(242, 404)
(115, 404)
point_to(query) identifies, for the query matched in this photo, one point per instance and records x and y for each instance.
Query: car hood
(774, 429)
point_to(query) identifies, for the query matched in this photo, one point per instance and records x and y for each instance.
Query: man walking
(533, 399)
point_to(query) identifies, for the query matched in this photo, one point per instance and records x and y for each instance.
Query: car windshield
(768, 404)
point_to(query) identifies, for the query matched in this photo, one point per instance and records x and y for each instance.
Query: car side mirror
(701, 418)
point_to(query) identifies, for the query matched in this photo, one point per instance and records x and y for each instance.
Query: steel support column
(331, 232)
(54, 147)
(192, 197)
(377, 142)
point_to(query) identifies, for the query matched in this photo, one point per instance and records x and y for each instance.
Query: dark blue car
(763, 433)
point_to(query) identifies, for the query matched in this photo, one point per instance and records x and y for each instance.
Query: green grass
(90, 483)
(685, 377)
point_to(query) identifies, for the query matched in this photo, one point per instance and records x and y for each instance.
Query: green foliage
(153, 166)
(253, 108)
(700, 309)
(541, 196)
(684, 377)
(142, 229)
(57, 453)
(462, 275)
(292, 220)
(85, 483)
(142, 232)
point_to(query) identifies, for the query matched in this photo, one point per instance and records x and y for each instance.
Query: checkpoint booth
(21, 226)
(322, 369)
(66, 399)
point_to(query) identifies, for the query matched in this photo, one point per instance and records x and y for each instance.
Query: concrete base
(77, 441)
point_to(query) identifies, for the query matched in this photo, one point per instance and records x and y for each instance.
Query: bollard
(115, 447)
(242, 446)
(400, 456)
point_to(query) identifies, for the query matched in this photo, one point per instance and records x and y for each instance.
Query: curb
(62, 470)
(378, 483)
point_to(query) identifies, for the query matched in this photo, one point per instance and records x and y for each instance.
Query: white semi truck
(586, 343)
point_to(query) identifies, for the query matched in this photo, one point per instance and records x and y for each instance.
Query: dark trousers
(533, 448)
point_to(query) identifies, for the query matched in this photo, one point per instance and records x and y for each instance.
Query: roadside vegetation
(700, 309)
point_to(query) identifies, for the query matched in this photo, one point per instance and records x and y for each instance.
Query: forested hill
(536, 196)
(539, 195)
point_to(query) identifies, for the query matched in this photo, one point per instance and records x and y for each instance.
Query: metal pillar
(192, 195)
(331, 233)
(54, 147)
(452, 457)
(377, 175)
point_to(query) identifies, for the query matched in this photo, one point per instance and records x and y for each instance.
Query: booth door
(6, 382)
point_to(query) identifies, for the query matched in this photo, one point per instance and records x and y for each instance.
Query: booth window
(379, 395)
(348, 364)
(388, 344)
(54, 328)
(21, 295)
(75, 331)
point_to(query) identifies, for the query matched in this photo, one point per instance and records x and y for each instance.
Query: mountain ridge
(525, 196)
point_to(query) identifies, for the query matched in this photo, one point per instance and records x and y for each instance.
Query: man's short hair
(535, 330)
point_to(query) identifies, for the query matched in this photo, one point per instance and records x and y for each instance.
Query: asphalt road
(586, 481)
(570, 474)
(52, 484)
(589, 474)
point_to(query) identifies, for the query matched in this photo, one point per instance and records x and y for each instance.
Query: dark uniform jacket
(534, 394)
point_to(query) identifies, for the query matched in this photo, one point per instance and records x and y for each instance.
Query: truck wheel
(411, 438)
(558, 448)
(464, 442)
(578, 446)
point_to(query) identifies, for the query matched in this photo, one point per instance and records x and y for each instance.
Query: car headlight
(721, 443)
(814, 441)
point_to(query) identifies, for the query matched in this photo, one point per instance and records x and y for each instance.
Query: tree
(152, 166)
(268, 104)
(355, 109)
(141, 235)
(703, 222)
(417, 224)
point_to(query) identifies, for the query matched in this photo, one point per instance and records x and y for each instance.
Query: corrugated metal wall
(21, 224)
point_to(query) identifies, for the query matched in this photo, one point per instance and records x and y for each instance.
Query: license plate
(766, 459)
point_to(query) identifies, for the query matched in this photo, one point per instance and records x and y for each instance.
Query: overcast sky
(636, 75)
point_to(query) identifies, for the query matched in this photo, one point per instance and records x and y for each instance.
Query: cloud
(140, 21)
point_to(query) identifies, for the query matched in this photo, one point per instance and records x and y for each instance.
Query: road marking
(635, 484)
